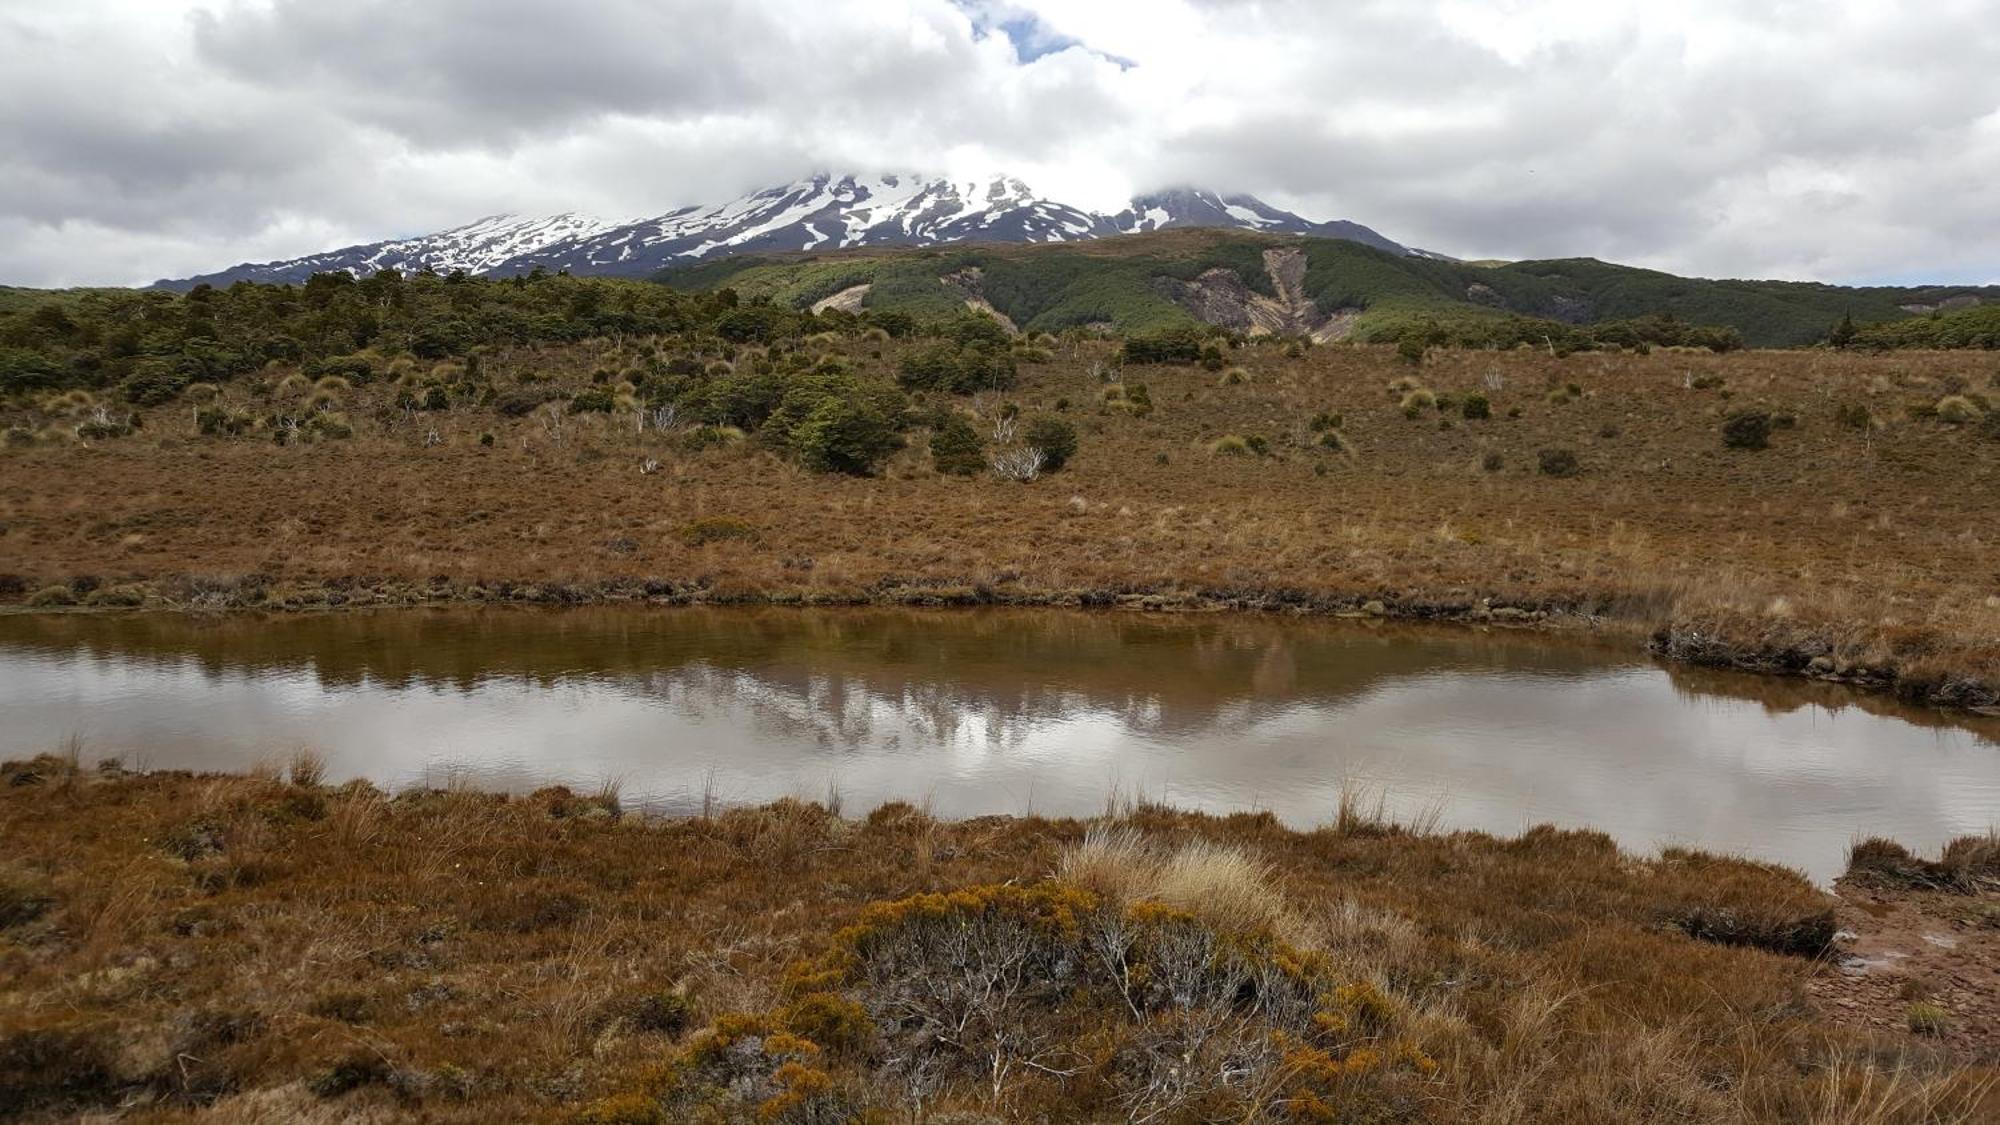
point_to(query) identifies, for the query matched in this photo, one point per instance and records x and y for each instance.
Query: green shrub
(957, 448)
(219, 419)
(153, 383)
(1211, 357)
(1476, 407)
(593, 400)
(1748, 429)
(958, 368)
(842, 435)
(1054, 437)
(1180, 344)
(1558, 463)
(1853, 415)
(1326, 420)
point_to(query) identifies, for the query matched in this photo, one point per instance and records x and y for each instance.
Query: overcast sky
(1854, 141)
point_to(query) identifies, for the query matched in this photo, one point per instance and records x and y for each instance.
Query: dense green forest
(1120, 282)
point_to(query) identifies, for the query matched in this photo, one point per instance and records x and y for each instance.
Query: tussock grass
(1894, 585)
(458, 956)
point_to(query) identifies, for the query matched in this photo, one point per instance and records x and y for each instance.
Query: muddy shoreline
(1797, 655)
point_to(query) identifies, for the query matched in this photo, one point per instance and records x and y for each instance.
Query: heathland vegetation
(272, 947)
(1826, 511)
(254, 949)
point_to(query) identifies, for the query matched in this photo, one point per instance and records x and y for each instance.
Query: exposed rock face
(848, 300)
(969, 284)
(1219, 296)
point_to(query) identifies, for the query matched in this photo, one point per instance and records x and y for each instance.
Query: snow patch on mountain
(821, 212)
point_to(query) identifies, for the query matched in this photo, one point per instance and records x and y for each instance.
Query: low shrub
(698, 438)
(1558, 463)
(593, 400)
(1182, 344)
(842, 435)
(1230, 445)
(957, 448)
(1748, 429)
(1054, 437)
(1476, 407)
(1416, 402)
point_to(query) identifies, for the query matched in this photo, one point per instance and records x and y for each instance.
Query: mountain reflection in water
(1015, 711)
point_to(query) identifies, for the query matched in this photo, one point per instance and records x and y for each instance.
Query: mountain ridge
(820, 212)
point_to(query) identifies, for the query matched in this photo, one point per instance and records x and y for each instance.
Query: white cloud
(1842, 141)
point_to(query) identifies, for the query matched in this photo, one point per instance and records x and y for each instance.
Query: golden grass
(1868, 550)
(245, 949)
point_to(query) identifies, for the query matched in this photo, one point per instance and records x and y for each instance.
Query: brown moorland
(1860, 544)
(263, 948)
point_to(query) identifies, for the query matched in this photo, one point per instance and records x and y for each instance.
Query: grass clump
(1415, 402)
(51, 597)
(1926, 1017)
(716, 529)
(1967, 864)
(1958, 410)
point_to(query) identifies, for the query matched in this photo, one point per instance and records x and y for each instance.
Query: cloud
(1839, 141)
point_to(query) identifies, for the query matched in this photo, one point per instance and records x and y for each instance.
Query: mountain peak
(825, 211)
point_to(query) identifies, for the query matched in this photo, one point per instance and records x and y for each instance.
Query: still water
(978, 712)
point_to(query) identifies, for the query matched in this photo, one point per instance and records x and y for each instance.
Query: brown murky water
(1015, 711)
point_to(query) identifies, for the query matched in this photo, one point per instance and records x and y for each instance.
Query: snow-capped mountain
(821, 213)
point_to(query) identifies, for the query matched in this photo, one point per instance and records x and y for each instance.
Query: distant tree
(1054, 437)
(1843, 333)
(956, 447)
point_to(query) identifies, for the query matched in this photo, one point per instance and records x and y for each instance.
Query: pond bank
(212, 948)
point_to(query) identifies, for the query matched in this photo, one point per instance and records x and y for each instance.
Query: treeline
(147, 346)
(1976, 327)
(1418, 334)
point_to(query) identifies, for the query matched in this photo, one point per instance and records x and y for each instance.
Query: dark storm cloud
(1839, 140)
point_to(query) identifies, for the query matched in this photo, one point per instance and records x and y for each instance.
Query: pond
(1015, 711)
